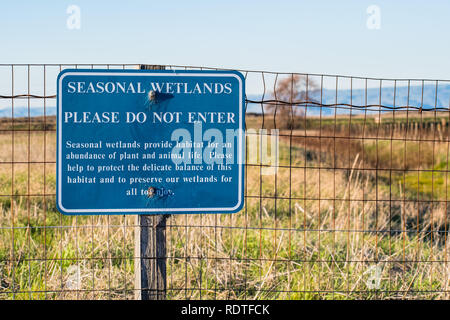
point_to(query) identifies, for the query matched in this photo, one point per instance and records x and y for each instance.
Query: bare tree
(292, 89)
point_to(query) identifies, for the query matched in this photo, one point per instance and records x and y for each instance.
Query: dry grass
(305, 233)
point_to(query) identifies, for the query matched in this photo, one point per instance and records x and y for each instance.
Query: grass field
(340, 219)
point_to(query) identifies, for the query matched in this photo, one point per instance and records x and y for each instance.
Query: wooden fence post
(150, 250)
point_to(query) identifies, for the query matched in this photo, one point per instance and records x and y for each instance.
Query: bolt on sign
(150, 141)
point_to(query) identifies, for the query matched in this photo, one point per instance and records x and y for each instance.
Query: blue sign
(150, 142)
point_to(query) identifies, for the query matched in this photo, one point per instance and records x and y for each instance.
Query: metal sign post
(150, 142)
(150, 250)
(150, 257)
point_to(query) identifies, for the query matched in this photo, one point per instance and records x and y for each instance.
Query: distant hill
(22, 111)
(356, 97)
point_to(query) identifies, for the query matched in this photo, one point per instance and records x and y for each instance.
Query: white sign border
(143, 210)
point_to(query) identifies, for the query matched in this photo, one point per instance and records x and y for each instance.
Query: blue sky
(294, 36)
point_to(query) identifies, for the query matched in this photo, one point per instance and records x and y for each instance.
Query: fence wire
(356, 205)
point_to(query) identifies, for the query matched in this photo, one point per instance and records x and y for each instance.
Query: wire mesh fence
(346, 196)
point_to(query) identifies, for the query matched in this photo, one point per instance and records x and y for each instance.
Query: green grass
(283, 245)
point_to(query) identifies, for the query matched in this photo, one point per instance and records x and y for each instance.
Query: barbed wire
(274, 102)
(364, 197)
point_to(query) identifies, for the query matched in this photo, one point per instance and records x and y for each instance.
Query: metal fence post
(150, 250)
